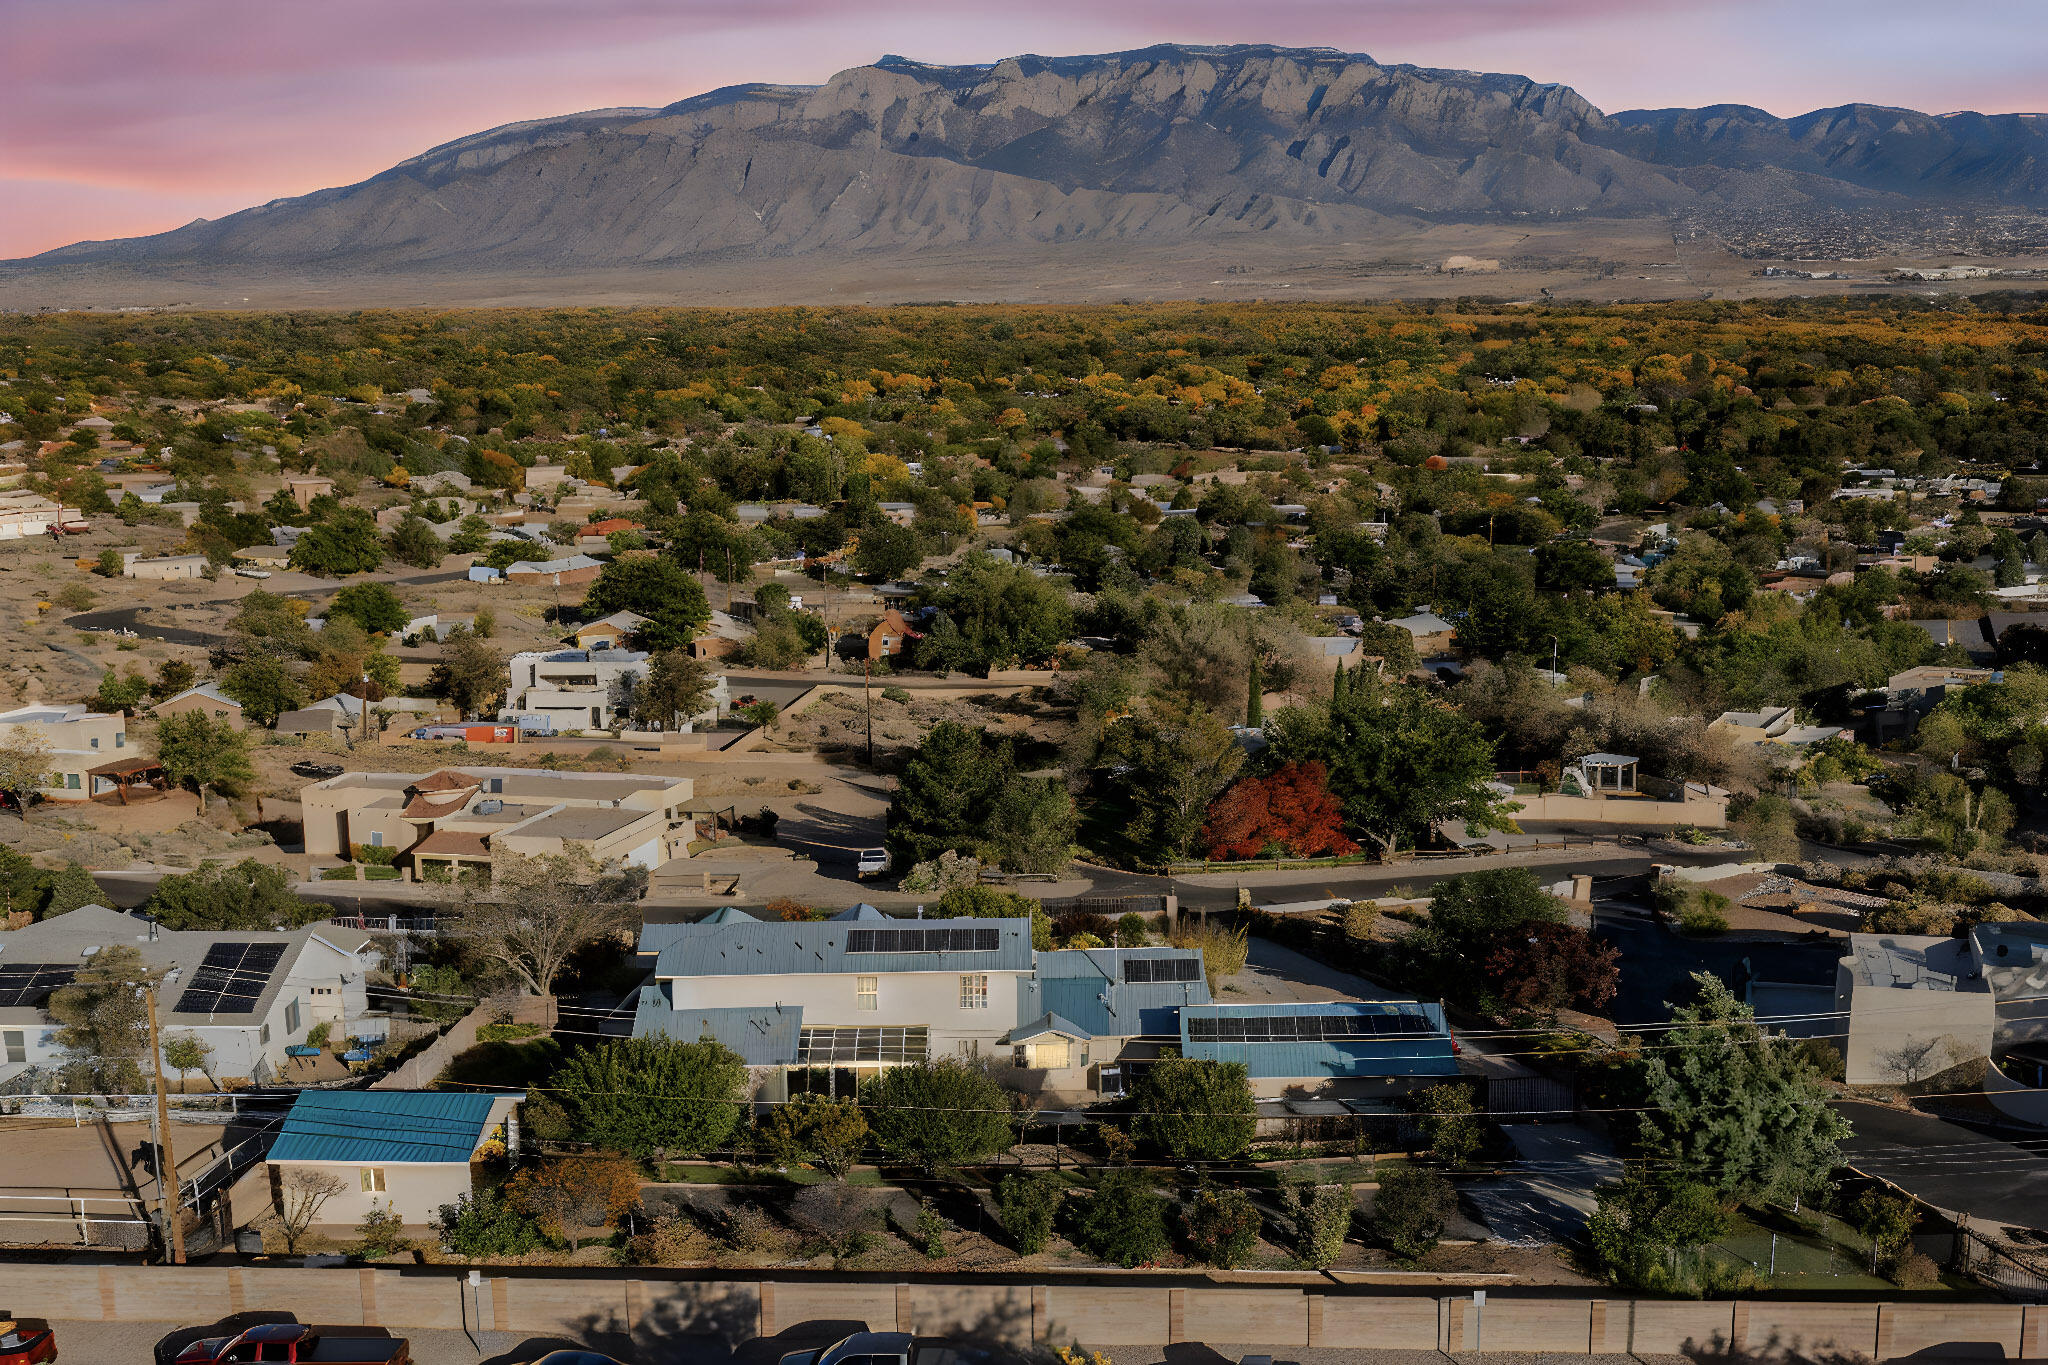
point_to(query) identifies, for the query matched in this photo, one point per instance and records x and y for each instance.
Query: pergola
(142, 776)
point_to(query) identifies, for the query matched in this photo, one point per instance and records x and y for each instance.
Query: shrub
(381, 1234)
(930, 1232)
(1224, 950)
(486, 1226)
(1321, 1215)
(1027, 1203)
(670, 1239)
(896, 694)
(1124, 1220)
(749, 1228)
(1360, 919)
(1220, 1226)
(1410, 1210)
(1696, 909)
(1917, 1270)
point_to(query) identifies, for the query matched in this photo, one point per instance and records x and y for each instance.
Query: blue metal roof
(1377, 1056)
(1086, 987)
(1047, 1024)
(372, 1126)
(762, 1036)
(818, 946)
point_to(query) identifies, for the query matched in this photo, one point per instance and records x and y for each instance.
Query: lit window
(974, 991)
(373, 1180)
(867, 992)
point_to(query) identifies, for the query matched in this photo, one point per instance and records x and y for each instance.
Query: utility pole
(166, 1159)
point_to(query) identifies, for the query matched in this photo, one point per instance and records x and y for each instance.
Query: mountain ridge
(1160, 144)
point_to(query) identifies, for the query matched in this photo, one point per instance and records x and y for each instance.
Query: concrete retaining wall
(1137, 1312)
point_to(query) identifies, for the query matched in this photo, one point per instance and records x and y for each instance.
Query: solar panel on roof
(970, 940)
(1141, 970)
(231, 978)
(31, 983)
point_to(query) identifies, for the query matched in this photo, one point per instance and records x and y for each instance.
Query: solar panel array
(1146, 969)
(1303, 1028)
(231, 979)
(923, 940)
(30, 983)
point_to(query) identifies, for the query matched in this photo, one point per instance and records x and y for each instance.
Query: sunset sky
(124, 117)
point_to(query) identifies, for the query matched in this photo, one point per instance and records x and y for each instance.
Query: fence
(1994, 1265)
(103, 1220)
(669, 1316)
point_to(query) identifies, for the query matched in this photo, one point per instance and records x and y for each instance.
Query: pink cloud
(130, 116)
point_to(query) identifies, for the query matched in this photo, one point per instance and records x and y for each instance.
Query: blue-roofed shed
(1349, 1045)
(405, 1150)
(1101, 991)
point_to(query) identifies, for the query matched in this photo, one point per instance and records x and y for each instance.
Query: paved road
(1950, 1166)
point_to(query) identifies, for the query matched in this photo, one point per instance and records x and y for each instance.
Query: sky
(125, 117)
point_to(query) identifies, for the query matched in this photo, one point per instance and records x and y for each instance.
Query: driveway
(1548, 1196)
(1950, 1166)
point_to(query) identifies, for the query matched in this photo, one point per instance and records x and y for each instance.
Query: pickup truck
(870, 862)
(884, 1348)
(293, 1341)
(26, 1341)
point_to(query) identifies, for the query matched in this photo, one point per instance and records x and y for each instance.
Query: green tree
(937, 1113)
(373, 606)
(121, 692)
(676, 688)
(1001, 614)
(981, 901)
(470, 673)
(70, 887)
(414, 542)
(1410, 1209)
(186, 1053)
(656, 588)
(1124, 1220)
(654, 1096)
(109, 564)
(172, 677)
(1398, 760)
(831, 1133)
(1321, 1217)
(1192, 1110)
(344, 543)
(1032, 826)
(1170, 761)
(24, 887)
(948, 793)
(230, 896)
(888, 551)
(1648, 1226)
(1473, 916)
(265, 686)
(103, 1026)
(1450, 1115)
(1028, 1202)
(201, 752)
(1743, 1110)
(27, 764)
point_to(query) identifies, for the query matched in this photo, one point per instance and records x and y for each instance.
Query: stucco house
(405, 1151)
(80, 739)
(208, 699)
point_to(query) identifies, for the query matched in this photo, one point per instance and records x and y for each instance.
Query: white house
(247, 994)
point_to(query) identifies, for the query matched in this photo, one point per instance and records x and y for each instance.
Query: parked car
(26, 1341)
(295, 1341)
(871, 862)
(252, 573)
(884, 1348)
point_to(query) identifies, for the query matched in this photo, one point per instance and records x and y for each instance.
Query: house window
(867, 992)
(291, 1017)
(16, 1042)
(376, 838)
(71, 781)
(1054, 1054)
(373, 1180)
(974, 991)
(95, 741)
(121, 741)
(263, 1035)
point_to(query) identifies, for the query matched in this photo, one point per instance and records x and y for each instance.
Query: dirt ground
(837, 724)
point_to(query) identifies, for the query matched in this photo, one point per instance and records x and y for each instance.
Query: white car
(871, 862)
(252, 573)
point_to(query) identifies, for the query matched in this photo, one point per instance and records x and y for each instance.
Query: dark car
(318, 771)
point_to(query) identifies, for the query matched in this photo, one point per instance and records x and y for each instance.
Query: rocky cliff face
(1161, 145)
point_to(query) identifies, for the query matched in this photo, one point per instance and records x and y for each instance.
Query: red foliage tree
(1544, 967)
(1291, 807)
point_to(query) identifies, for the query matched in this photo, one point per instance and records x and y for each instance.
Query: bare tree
(302, 1192)
(536, 912)
(25, 765)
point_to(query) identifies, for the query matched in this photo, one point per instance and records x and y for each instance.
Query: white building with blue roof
(405, 1151)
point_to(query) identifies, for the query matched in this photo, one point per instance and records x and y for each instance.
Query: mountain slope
(1157, 146)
